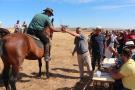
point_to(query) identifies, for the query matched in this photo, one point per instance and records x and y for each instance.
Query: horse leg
(47, 62)
(47, 69)
(14, 72)
(40, 65)
(7, 86)
(5, 77)
(13, 77)
(13, 84)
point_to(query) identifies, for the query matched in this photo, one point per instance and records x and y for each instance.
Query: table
(102, 80)
(108, 62)
(105, 77)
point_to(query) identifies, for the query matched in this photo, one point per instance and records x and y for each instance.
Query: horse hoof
(47, 75)
(39, 75)
(21, 68)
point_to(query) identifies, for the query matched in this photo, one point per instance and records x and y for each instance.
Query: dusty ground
(63, 68)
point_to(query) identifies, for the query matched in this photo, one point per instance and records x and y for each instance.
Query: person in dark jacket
(97, 47)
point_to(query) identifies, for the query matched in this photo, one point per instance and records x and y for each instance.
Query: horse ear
(52, 19)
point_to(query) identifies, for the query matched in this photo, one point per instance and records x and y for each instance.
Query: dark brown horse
(14, 48)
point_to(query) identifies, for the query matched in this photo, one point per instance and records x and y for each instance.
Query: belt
(83, 52)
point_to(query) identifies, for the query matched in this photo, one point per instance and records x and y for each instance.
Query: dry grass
(63, 68)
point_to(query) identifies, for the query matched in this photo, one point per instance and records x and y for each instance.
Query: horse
(14, 48)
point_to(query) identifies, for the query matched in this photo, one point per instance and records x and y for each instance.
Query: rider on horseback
(41, 27)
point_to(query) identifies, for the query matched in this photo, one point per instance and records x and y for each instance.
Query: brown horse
(14, 48)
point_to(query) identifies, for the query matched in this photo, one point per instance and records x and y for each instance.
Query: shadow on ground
(65, 88)
(62, 76)
(23, 75)
(83, 84)
(66, 70)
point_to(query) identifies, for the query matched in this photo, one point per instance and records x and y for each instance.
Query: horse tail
(8, 73)
(1, 47)
(6, 70)
(3, 32)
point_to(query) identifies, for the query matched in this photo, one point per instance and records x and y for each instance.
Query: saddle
(37, 41)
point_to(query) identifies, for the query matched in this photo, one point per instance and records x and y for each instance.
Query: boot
(47, 52)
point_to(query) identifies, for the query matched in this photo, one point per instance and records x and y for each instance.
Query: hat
(50, 10)
(129, 44)
(98, 28)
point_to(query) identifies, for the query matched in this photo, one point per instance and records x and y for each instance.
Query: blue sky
(84, 13)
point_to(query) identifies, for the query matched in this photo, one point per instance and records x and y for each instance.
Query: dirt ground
(63, 68)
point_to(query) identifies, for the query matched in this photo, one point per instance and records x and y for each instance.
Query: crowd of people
(115, 44)
(107, 44)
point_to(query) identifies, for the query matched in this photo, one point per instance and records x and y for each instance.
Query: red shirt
(131, 36)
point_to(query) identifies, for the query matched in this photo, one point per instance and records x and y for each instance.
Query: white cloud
(56, 1)
(11, 0)
(84, 1)
(130, 1)
(109, 7)
(72, 1)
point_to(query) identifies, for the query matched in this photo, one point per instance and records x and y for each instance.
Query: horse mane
(3, 32)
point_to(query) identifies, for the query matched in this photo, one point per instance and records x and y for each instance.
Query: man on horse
(41, 27)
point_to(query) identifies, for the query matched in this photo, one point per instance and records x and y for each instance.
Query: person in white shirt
(110, 50)
(114, 37)
(24, 27)
(17, 27)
